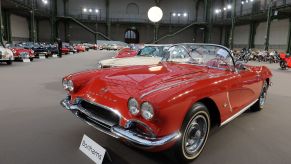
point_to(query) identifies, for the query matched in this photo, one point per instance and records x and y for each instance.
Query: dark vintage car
(172, 104)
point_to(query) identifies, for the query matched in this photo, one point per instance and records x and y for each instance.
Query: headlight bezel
(133, 107)
(147, 111)
(68, 85)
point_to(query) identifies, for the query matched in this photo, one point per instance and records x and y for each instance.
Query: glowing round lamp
(155, 14)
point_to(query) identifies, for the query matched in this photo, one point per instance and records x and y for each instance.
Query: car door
(245, 90)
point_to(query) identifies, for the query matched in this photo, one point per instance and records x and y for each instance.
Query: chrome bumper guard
(120, 132)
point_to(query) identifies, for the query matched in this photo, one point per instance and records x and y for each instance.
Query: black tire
(198, 134)
(31, 59)
(283, 64)
(259, 105)
(9, 62)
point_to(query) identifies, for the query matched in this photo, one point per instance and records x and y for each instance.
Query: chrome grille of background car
(24, 54)
(98, 113)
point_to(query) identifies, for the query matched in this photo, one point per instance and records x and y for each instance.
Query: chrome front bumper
(120, 132)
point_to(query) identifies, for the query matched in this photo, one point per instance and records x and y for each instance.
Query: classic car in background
(70, 47)
(80, 48)
(285, 61)
(39, 49)
(172, 104)
(149, 55)
(6, 55)
(130, 51)
(126, 52)
(21, 53)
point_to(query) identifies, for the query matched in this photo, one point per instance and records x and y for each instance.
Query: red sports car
(20, 53)
(285, 61)
(171, 104)
(126, 52)
(80, 48)
(65, 50)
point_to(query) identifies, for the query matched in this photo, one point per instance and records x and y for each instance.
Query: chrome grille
(98, 113)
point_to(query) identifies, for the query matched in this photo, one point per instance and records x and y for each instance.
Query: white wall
(260, 35)
(19, 28)
(279, 34)
(241, 36)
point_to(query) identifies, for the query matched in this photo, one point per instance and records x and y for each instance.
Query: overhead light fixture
(155, 14)
(242, 2)
(179, 14)
(228, 7)
(224, 8)
(85, 10)
(185, 14)
(45, 2)
(96, 11)
(174, 14)
(90, 10)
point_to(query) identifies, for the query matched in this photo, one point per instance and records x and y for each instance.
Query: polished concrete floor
(35, 129)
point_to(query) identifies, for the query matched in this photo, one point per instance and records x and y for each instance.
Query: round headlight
(70, 86)
(133, 106)
(99, 66)
(65, 84)
(147, 111)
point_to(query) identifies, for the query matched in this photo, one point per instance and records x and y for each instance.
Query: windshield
(153, 51)
(213, 56)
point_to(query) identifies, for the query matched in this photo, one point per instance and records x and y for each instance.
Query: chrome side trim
(238, 113)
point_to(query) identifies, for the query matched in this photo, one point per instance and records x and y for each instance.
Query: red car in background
(80, 48)
(130, 51)
(170, 104)
(20, 53)
(285, 61)
(126, 52)
(65, 50)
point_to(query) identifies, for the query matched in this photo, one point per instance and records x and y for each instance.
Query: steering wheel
(217, 62)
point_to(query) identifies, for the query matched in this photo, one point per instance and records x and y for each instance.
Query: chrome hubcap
(195, 135)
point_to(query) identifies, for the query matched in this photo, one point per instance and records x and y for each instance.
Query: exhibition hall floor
(35, 129)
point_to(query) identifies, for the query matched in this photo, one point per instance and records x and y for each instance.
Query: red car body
(126, 52)
(285, 61)
(171, 88)
(21, 53)
(65, 50)
(80, 48)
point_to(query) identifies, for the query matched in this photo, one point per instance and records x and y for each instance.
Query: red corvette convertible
(172, 104)
(20, 53)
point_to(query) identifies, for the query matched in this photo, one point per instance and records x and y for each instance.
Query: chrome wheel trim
(195, 135)
(263, 95)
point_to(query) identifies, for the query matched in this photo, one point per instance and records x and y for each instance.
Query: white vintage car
(6, 55)
(149, 55)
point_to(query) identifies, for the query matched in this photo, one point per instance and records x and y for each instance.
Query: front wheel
(195, 130)
(259, 105)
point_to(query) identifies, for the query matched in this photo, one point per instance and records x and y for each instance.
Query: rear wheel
(195, 130)
(283, 64)
(259, 105)
(31, 59)
(9, 62)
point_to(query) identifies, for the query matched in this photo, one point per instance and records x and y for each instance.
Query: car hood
(139, 81)
(117, 62)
